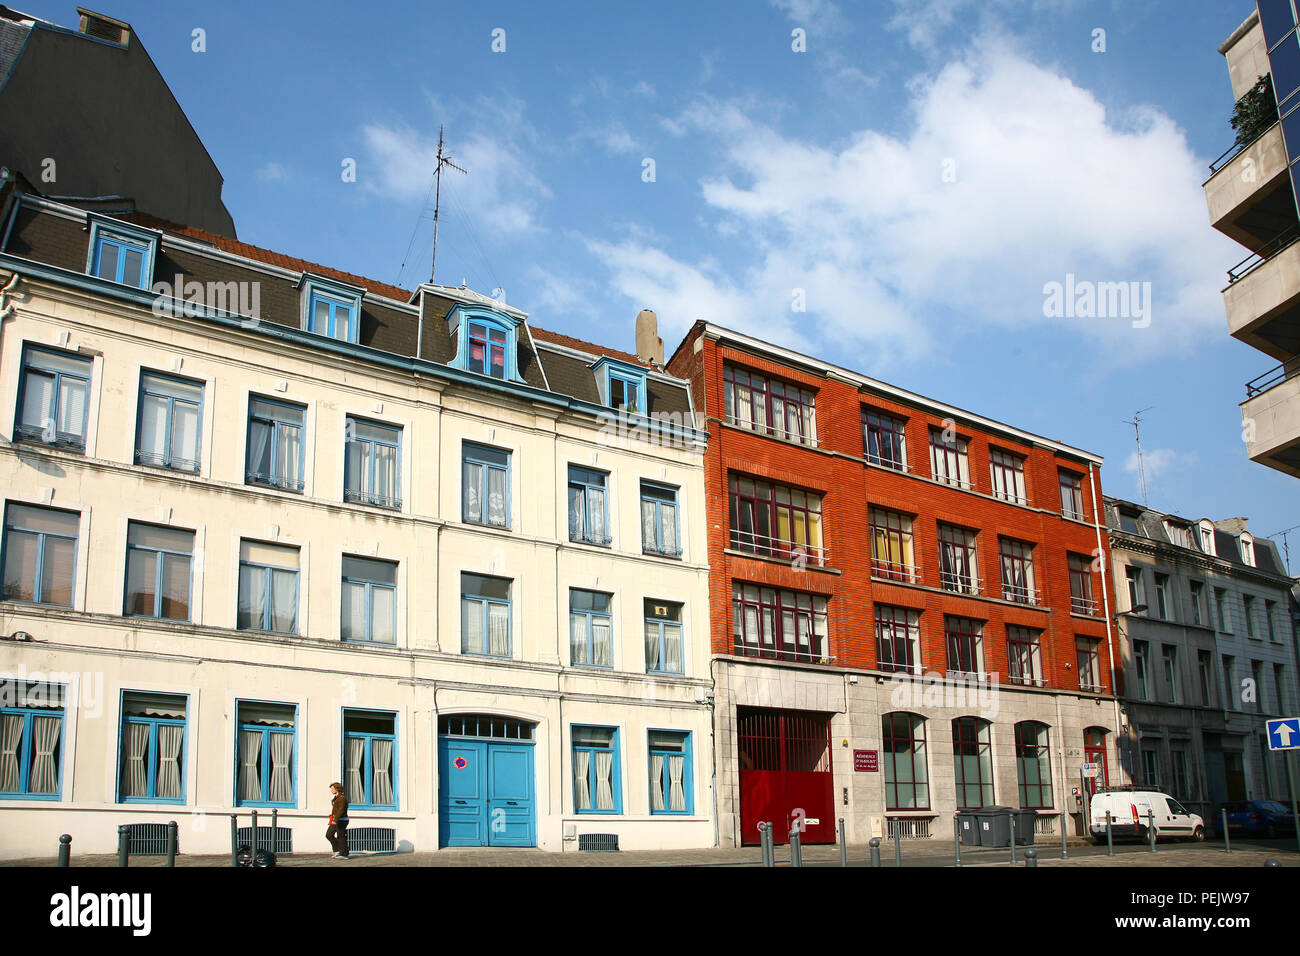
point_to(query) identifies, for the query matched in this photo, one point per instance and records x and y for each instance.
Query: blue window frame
(486, 485)
(596, 770)
(588, 506)
(663, 637)
(31, 740)
(266, 754)
(484, 615)
(487, 348)
(121, 253)
(369, 600)
(373, 464)
(170, 422)
(40, 555)
(370, 759)
(151, 748)
(331, 308)
(53, 394)
(590, 629)
(671, 784)
(623, 384)
(158, 572)
(268, 588)
(485, 342)
(659, 526)
(275, 446)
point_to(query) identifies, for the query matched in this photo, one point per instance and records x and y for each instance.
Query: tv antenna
(1137, 431)
(443, 160)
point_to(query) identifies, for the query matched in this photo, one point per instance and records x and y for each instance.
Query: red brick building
(895, 584)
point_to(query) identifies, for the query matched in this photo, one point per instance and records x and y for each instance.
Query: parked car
(1132, 810)
(1254, 817)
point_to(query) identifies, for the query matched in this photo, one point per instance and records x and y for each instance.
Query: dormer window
(1178, 534)
(485, 342)
(1207, 538)
(1247, 549)
(623, 386)
(487, 349)
(332, 309)
(121, 253)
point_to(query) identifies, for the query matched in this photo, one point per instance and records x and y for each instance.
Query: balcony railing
(979, 677)
(155, 460)
(1026, 681)
(893, 464)
(961, 583)
(773, 431)
(1089, 686)
(69, 441)
(894, 667)
(787, 652)
(1083, 605)
(895, 571)
(1021, 594)
(1261, 255)
(355, 497)
(770, 547)
(274, 481)
(662, 551)
(1273, 377)
(591, 537)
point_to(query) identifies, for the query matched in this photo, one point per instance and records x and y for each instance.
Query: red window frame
(958, 570)
(946, 458)
(1087, 657)
(1081, 600)
(782, 620)
(776, 396)
(884, 439)
(898, 629)
(1010, 466)
(764, 504)
(907, 729)
(1038, 749)
(1016, 559)
(963, 637)
(971, 737)
(1094, 751)
(1022, 642)
(896, 529)
(1071, 485)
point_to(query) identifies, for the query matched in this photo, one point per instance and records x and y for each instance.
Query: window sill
(372, 501)
(781, 561)
(278, 484)
(180, 466)
(73, 448)
(485, 524)
(593, 542)
(655, 553)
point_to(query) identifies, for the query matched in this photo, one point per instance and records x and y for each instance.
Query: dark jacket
(339, 809)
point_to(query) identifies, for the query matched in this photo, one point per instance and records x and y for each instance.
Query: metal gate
(785, 773)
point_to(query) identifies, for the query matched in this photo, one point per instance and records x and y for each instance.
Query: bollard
(234, 839)
(123, 844)
(956, 838)
(252, 836)
(1011, 829)
(65, 850)
(1065, 853)
(1151, 829)
(796, 848)
(1110, 843)
(875, 851)
(1227, 840)
(770, 836)
(275, 813)
(898, 843)
(765, 842)
(171, 843)
(844, 846)
(1031, 857)
(1272, 862)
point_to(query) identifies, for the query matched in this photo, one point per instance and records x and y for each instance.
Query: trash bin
(969, 829)
(1026, 821)
(994, 825)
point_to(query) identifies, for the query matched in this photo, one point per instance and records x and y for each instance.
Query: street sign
(1284, 734)
(866, 761)
(1091, 770)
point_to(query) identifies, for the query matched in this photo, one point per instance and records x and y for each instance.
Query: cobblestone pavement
(1253, 854)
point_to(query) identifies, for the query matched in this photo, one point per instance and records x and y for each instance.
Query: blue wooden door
(485, 793)
(510, 795)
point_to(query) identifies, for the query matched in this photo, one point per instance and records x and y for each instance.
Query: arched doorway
(485, 781)
(1094, 751)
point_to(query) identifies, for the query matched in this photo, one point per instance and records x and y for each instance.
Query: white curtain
(596, 505)
(673, 648)
(677, 791)
(250, 763)
(600, 641)
(72, 405)
(656, 782)
(497, 496)
(259, 448)
(649, 528)
(169, 765)
(652, 661)
(668, 527)
(288, 449)
(473, 487)
(45, 772)
(604, 780)
(383, 762)
(354, 611)
(385, 471)
(252, 598)
(578, 639)
(498, 630)
(472, 614)
(11, 733)
(153, 425)
(38, 400)
(356, 747)
(577, 525)
(355, 472)
(581, 773)
(135, 775)
(281, 769)
(284, 606)
(384, 615)
(185, 431)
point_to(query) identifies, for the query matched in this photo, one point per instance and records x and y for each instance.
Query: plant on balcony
(1255, 112)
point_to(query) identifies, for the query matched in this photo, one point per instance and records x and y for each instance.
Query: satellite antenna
(443, 160)
(1137, 431)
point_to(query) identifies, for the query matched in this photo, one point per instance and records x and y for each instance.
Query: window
(972, 763)
(671, 790)
(373, 461)
(1178, 534)
(1150, 767)
(484, 615)
(487, 348)
(370, 759)
(892, 553)
(1178, 763)
(1071, 494)
(1140, 670)
(774, 520)
(369, 609)
(769, 407)
(957, 568)
(1131, 522)
(659, 532)
(53, 393)
(1081, 599)
(158, 562)
(965, 646)
(1247, 549)
(485, 342)
(588, 506)
(625, 387)
(1207, 538)
(275, 447)
(121, 253)
(40, 554)
(596, 785)
(170, 414)
(1169, 662)
(1094, 751)
(1162, 597)
(1007, 472)
(1248, 603)
(31, 740)
(334, 312)
(1205, 670)
(1279, 686)
(663, 637)
(589, 629)
(1136, 590)
(885, 439)
(151, 761)
(1269, 608)
(1017, 560)
(788, 625)
(1198, 602)
(1033, 765)
(898, 638)
(266, 755)
(1230, 688)
(1024, 656)
(268, 587)
(1086, 660)
(1221, 608)
(907, 784)
(486, 477)
(949, 461)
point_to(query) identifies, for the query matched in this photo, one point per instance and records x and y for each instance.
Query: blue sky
(920, 173)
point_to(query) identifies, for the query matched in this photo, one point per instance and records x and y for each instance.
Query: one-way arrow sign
(1284, 734)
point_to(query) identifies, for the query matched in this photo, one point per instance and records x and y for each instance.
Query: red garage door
(785, 773)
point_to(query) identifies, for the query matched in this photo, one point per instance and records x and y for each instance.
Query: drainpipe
(1105, 606)
(6, 307)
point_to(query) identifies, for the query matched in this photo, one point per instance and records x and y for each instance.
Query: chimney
(1232, 525)
(649, 346)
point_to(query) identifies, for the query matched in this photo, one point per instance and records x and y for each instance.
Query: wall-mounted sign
(866, 761)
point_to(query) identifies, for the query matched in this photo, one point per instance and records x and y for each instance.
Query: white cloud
(812, 14)
(1157, 462)
(925, 21)
(272, 172)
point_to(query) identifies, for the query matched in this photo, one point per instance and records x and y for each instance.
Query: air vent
(104, 28)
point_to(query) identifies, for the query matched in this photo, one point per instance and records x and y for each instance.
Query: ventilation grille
(598, 842)
(149, 839)
(372, 840)
(283, 839)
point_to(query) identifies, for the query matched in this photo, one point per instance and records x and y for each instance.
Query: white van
(1129, 811)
